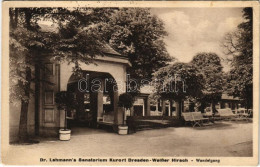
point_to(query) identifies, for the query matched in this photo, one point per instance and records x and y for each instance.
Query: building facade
(45, 119)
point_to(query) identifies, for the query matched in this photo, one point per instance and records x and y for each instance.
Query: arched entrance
(97, 98)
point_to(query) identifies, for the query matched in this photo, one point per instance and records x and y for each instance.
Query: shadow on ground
(243, 149)
(220, 125)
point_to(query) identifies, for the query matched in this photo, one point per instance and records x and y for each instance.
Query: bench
(244, 114)
(195, 118)
(226, 113)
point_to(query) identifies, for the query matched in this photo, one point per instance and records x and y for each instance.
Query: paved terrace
(224, 139)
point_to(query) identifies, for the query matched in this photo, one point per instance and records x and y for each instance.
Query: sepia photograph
(130, 83)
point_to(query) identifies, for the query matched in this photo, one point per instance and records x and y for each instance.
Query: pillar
(100, 109)
(147, 106)
(132, 111)
(115, 104)
(80, 108)
(226, 105)
(163, 108)
(211, 107)
(93, 106)
(99, 103)
(218, 105)
(236, 107)
(159, 104)
(171, 103)
(143, 107)
(178, 108)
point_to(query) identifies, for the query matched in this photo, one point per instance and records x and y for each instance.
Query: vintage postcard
(109, 83)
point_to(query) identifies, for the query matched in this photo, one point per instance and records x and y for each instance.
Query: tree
(239, 45)
(79, 39)
(126, 101)
(178, 82)
(26, 47)
(29, 45)
(138, 34)
(209, 65)
(65, 101)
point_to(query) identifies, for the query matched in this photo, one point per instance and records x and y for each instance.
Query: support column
(178, 109)
(100, 105)
(169, 109)
(96, 104)
(163, 108)
(132, 111)
(159, 105)
(219, 105)
(236, 107)
(171, 103)
(93, 107)
(147, 106)
(226, 105)
(116, 112)
(99, 95)
(143, 114)
(211, 107)
(80, 108)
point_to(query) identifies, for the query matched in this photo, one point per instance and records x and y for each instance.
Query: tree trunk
(65, 121)
(11, 15)
(16, 17)
(28, 16)
(124, 116)
(23, 133)
(37, 98)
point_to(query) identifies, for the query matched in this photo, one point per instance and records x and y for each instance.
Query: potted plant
(126, 101)
(66, 102)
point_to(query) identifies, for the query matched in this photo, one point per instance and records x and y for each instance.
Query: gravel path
(224, 139)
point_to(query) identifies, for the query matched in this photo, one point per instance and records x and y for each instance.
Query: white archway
(115, 67)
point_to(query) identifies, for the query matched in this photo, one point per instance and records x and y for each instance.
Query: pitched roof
(47, 27)
(227, 97)
(109, 50)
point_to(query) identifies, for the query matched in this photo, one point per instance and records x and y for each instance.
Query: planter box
(122, 130)
(64, 134)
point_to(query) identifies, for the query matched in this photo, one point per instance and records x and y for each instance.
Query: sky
(194, 30)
